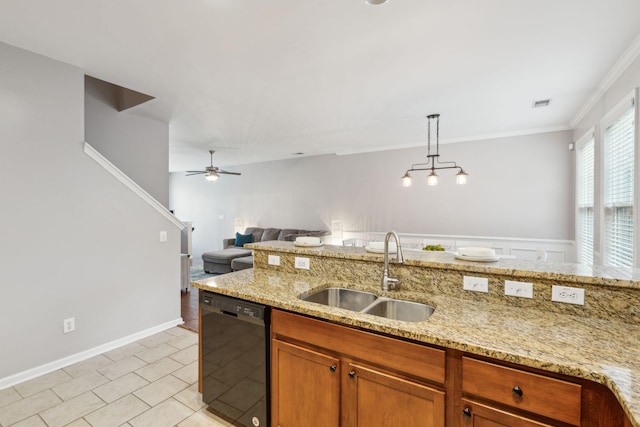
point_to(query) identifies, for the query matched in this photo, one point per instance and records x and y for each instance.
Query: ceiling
(261, 80)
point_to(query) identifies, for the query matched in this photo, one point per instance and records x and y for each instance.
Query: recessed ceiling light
(297, 154)
(541, 103)
(375, 2)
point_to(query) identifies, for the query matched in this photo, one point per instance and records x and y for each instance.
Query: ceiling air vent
(541, 103)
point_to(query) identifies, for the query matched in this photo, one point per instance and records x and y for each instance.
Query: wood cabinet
(524, 391)
(478, 415)
(328, 375)
(496, 395)
(373, 397)
(306, 387)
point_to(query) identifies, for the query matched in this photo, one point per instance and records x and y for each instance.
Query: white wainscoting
(531, 249)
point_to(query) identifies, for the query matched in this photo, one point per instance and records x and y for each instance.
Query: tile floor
(151, 382)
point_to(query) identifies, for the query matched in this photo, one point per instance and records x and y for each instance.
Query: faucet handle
(392, 282)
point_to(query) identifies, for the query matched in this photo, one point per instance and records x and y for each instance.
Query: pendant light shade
(432, 179)
(461, 177)
(407, 181)
(433, 162)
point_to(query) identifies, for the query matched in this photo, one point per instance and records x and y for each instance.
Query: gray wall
(75, 242)
(518, 187)
(137, 145)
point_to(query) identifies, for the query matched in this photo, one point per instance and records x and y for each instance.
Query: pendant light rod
(433, 160)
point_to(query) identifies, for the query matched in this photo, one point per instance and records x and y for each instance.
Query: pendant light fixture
(432, 160)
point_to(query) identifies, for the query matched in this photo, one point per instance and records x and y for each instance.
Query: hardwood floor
(189, 309)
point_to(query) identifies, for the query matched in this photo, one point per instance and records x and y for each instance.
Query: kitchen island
(597, 341)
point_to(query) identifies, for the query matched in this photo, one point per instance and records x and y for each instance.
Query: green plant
(433, 248)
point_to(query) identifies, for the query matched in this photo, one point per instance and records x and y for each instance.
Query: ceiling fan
(212, 173)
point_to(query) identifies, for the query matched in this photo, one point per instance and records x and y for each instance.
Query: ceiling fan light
(407, 180)
(461, 177)
(211, 176)
(432, 179)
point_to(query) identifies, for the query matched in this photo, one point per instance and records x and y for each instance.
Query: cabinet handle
(333, 368)
(466, 412)
(517, 391)
(352, 374)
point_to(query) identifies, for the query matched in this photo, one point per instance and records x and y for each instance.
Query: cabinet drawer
(534, 393)
(413, 359)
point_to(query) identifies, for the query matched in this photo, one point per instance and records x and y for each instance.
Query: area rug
(196, 273)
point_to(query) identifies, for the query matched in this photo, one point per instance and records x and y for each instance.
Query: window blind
(618, 200)
(585, 200)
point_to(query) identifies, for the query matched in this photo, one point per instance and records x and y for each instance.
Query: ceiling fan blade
(189, 173)
(228, 173)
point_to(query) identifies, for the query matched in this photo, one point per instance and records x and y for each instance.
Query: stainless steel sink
(343, 298)
(400, 310)
(366, 302)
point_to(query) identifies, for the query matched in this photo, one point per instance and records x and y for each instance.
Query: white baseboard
(83, 355)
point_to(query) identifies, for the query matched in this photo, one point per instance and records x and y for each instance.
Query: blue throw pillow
(242, 239)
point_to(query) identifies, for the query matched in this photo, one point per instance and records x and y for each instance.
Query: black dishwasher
(235, 359)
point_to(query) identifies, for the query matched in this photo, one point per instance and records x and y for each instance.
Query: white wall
(518, 187)
(139, 146)
(75, 242)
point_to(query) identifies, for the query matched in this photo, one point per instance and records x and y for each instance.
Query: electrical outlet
(518, 289)
(302, 263)
(163, 236)
(567, 295)
(274, 260)
(69, 325)
(476, 284)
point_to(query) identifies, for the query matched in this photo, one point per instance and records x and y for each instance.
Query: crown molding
(629, 55)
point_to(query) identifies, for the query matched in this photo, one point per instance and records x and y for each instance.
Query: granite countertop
(599, 350)
(566, 272)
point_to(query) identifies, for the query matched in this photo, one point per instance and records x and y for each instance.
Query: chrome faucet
(391, 282)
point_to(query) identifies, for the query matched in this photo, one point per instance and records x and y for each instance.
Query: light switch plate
(567, 295)
(302, 263)
(274, 260)
(163, 236)
(518, 289)
(475, 284)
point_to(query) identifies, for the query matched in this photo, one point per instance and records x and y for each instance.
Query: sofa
(234, 257)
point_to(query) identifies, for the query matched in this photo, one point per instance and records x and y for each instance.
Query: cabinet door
(372, 397)
(477, 415)
(305, 387)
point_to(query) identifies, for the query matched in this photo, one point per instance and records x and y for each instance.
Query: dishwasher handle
(228, 313)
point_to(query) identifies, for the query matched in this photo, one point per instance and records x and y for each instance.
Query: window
(585, 162)
(618, 188)
(607, 172)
